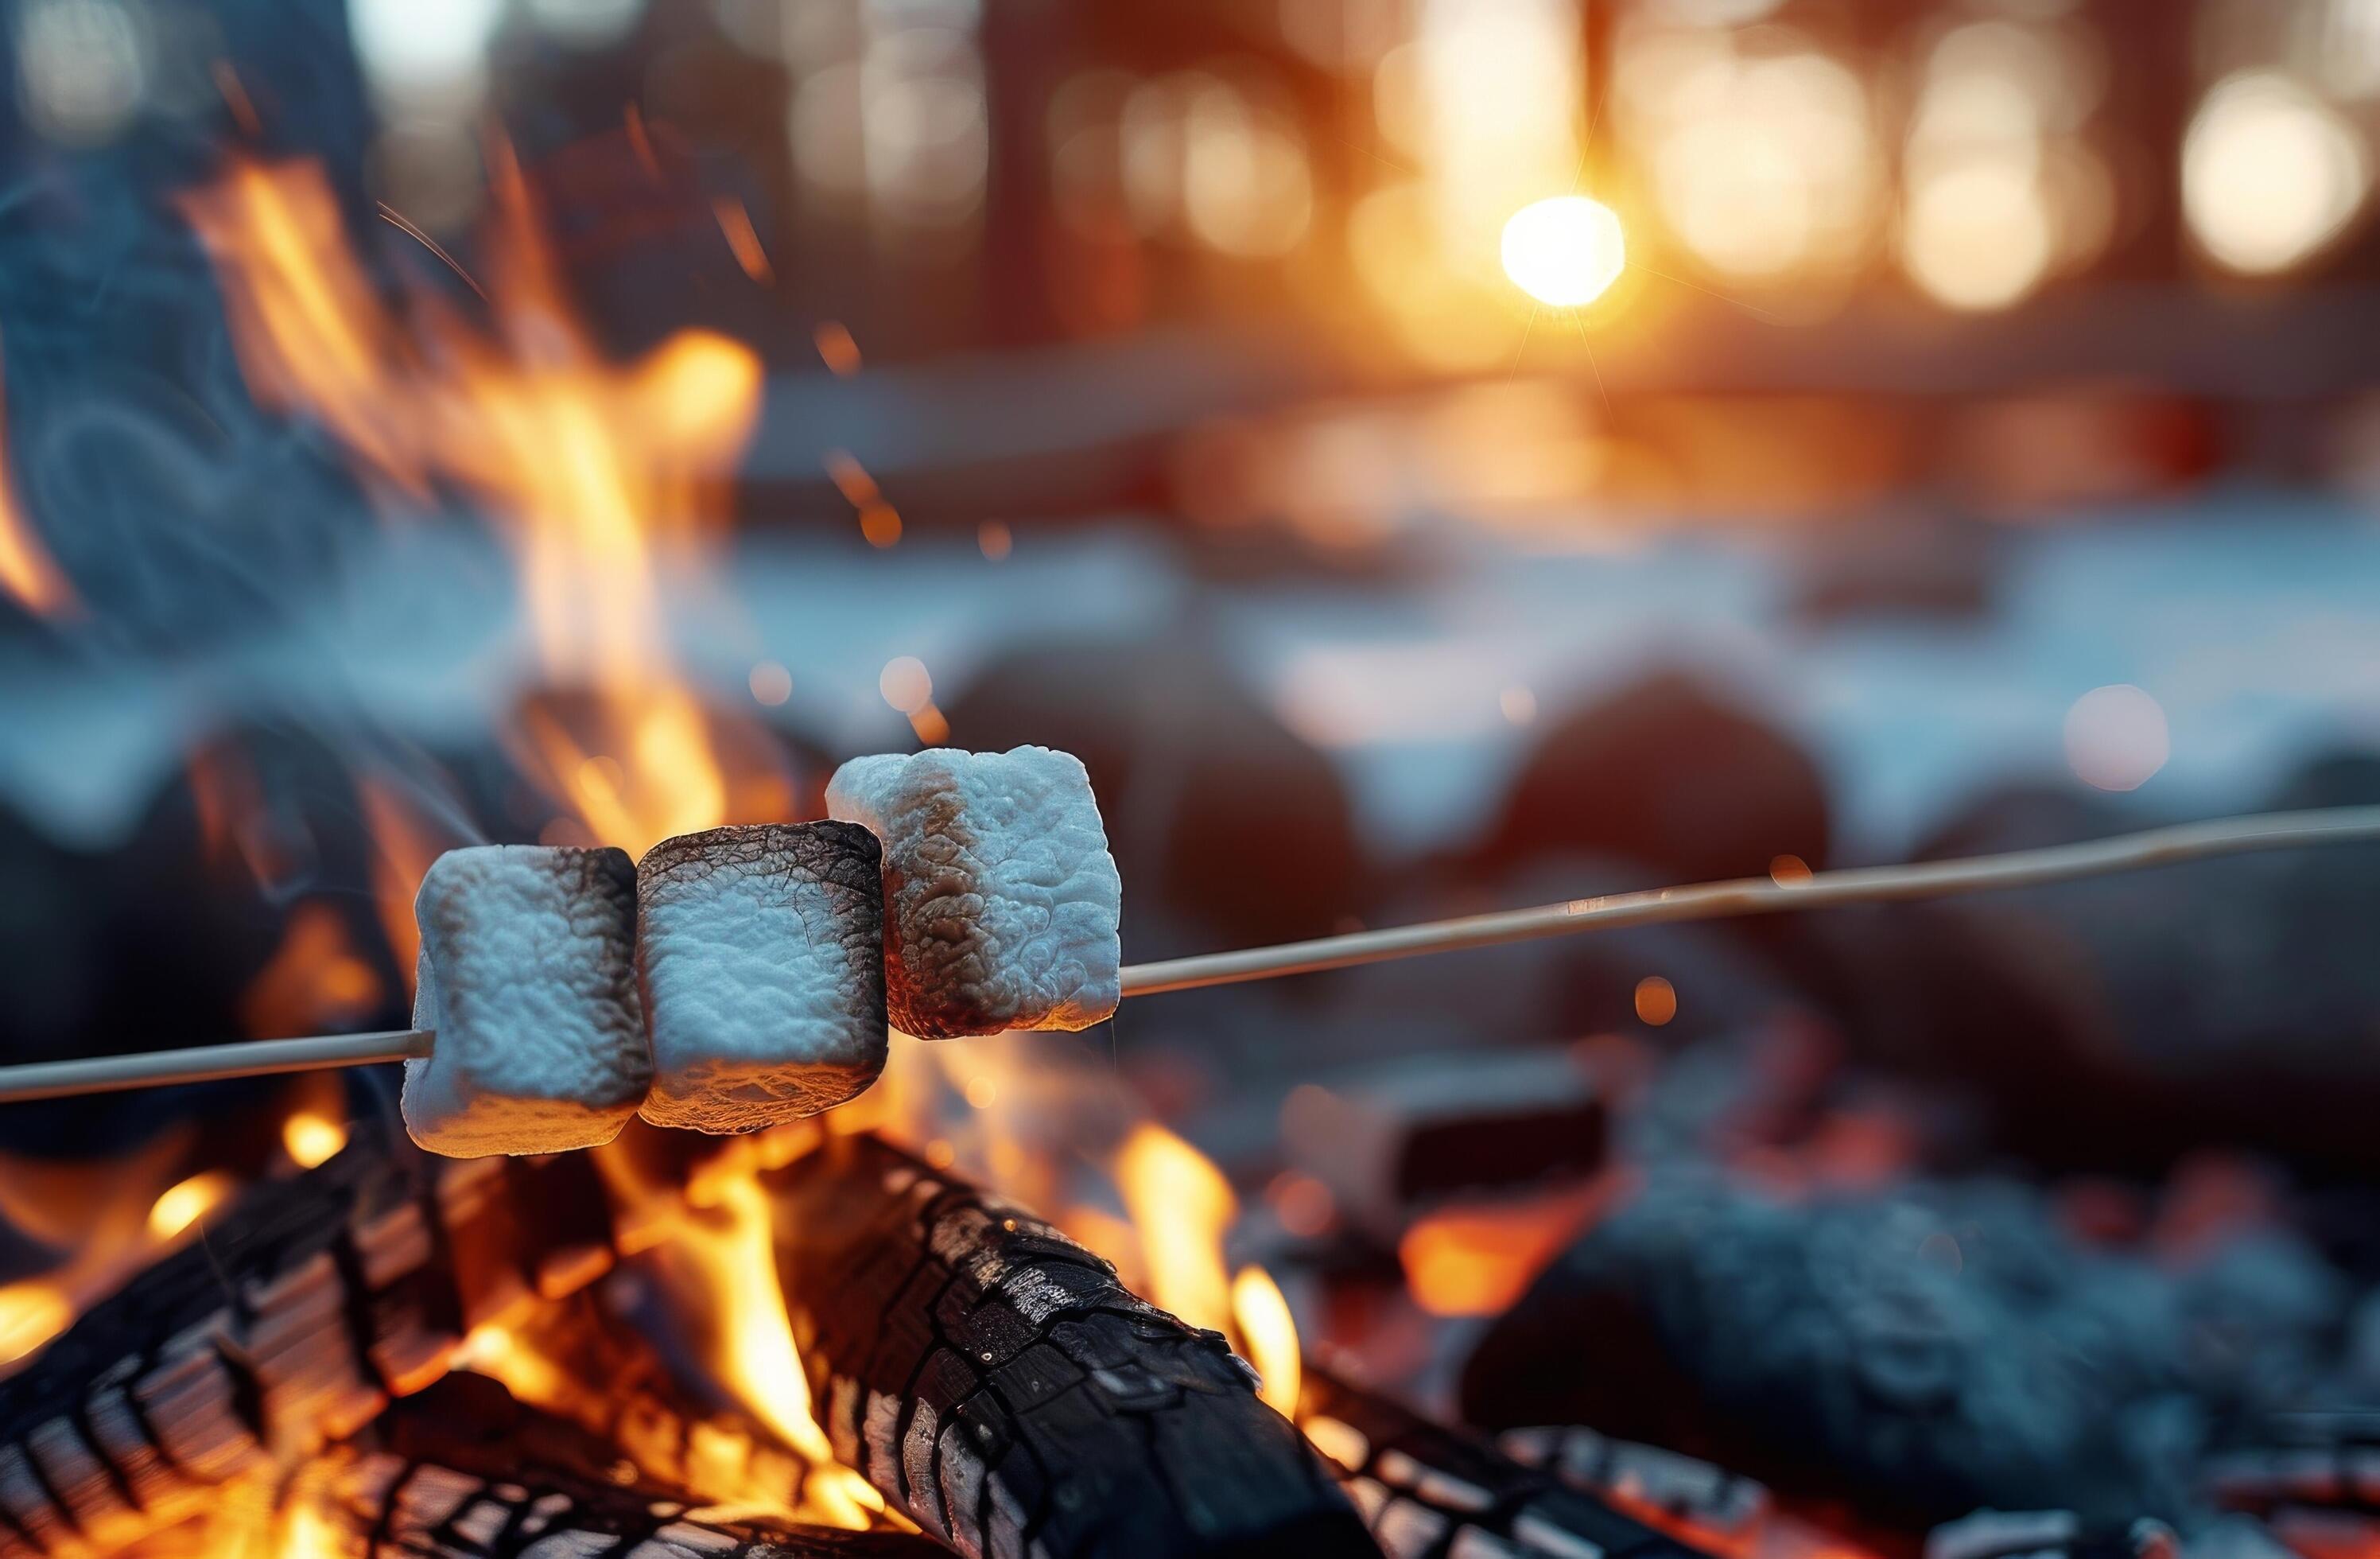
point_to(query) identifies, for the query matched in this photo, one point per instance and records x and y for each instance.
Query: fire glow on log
(993, 1380)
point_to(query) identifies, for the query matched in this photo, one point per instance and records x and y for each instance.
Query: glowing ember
(108, 1215)
(495, 1351)
(30, 1314)
(310, 1139)
(26, 571)
(743, 240)
(307, 1534)
(837, 349)
(184, 1203)
(1479, 1260)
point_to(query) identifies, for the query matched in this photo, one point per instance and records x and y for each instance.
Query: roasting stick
(1700, 901)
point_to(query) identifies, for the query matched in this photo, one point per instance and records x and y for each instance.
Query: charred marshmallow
(529, 975)
(761, 957)
(1000, 898)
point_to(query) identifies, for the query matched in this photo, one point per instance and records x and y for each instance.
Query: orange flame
(599, 470)
(312, 1139)
(403, 849)
(314, 980)
(1268, 1331)
(729, 1244)
(30, 1314)
(185, 1202)
(1479, 1260)
(107, 1219)
(26, 571)
(1180, 1208)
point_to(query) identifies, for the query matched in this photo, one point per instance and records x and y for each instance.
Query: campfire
(826, 1337)
(1595, 1299)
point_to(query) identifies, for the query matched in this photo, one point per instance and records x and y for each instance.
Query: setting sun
(1566, 251)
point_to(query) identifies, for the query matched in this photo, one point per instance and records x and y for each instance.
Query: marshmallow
(527, 973)
(761, 959)
(1000, 897)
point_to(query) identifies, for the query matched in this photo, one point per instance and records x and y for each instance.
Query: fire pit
(607, 613)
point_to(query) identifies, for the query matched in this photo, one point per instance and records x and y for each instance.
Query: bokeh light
(186, 1202)
(1566, 251)
(417, 48)
(586, 24)
(1765, 164)
(2270, 173)
(906, 685)
(311, 1138)
(2116, 737)
(771, 682)
(2000, 189)
(83, 67)
(1977, 236)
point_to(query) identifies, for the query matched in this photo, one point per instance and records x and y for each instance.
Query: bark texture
(998, 1385)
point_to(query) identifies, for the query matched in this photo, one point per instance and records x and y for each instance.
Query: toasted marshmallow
(1000, 898)
(527, 973)
(760, 953)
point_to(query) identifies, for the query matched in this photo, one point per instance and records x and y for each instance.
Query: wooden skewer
(1701, 901)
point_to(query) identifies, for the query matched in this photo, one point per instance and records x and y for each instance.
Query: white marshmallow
(527, 973)
(760, 953)
(1002, 901)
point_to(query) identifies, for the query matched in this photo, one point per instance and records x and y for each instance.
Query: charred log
(999, 1385)
(1678, 1490)
(308, 1305)
(1428, 1491)
(2047, 1534)
(2326, 1461)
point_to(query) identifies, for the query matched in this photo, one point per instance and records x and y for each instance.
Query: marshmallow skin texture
(529, 975)
(1001, 901)
(761, 959)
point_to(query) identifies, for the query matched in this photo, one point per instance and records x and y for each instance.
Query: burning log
(291, 1324)
(421, 1508)
(465, 1470)
(578, 1362)
(995, 1382)
(1429, 1490)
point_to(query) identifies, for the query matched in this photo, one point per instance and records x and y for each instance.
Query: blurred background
(1423, 456)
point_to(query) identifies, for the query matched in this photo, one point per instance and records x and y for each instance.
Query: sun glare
(1566, 251)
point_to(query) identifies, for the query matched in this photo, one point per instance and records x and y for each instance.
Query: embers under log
(462, 1471)
(307, 1308)
(997, 1382)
